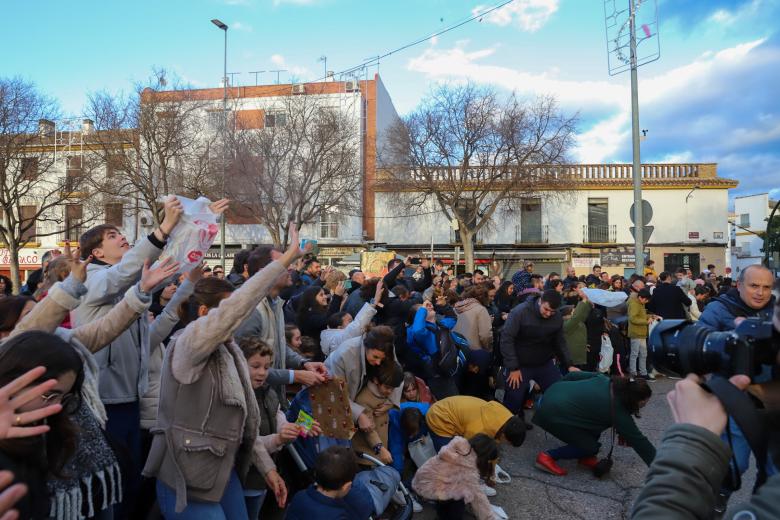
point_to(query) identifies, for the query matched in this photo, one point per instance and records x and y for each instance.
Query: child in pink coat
(452, 478)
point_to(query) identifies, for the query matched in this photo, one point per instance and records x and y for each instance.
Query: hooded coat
(453, 475)
(474, 323)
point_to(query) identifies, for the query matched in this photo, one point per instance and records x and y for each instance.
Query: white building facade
(751, 214)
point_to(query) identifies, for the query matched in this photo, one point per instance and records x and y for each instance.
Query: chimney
(45, 128)
(87, 126)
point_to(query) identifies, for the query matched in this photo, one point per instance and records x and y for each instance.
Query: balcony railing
(574, 172)
(455, 238)
(536, 236)
(73, 234)
(599, 234)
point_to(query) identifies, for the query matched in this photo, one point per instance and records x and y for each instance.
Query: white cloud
(678, 157)
(528, 15)
(603, 141)
(278, 59)
(458, 62)
(728, 17)
(240, 26)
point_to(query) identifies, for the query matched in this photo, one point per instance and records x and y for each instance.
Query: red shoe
(546, 463)
(589, 462)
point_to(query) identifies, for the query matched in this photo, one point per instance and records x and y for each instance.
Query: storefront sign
(584, 262)
(27, 257)
(693, 235)
(620, 256)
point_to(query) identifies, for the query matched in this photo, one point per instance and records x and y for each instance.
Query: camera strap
(742, 409)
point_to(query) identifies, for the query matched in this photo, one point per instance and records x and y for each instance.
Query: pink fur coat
(453, 475)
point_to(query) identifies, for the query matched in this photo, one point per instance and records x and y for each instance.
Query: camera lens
(678, 347)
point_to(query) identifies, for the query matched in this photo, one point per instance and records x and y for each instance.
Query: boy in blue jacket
(333, 496)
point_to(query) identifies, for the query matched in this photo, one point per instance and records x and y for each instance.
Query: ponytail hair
(631, 392)
(208, 292)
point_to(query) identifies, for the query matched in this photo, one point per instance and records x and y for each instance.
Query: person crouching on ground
(580, 407)
(467, 416)
(453, 477)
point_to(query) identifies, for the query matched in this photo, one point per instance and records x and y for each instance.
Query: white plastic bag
(421, 450)
(193, 235)
(501, 476)
(605, 354)
(605, 298)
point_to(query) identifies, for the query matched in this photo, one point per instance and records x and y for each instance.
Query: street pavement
(533, 494)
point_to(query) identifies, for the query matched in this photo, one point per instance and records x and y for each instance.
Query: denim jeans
(544, 375)
(231, 507)
(638, 351)
(568, 451)
(254, 502)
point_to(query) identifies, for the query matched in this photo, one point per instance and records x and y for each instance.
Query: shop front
(29, 261)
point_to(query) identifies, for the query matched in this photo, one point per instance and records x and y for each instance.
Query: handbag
(604, 465)
(421, 450)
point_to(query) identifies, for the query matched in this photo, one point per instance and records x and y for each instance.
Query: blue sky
(711, 97)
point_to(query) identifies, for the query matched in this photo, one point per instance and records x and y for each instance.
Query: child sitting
(375, 398)
(415, 390)
(452, 478)
(333, 496)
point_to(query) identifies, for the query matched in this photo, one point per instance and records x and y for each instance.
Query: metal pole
(224, 155)
(639, 243)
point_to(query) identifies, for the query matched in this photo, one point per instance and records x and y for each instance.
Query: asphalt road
(533, 494)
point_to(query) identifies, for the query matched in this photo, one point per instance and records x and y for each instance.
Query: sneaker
(547, 464)
(489, 491)
(416, 506)
(589, 462)
(648, 377)
(398, 498)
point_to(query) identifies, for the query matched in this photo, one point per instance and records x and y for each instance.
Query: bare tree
(472, 153)
(304, 162)
(155, 142)
(42, 188)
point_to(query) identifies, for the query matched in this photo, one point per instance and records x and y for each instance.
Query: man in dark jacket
(531, 338)
(571, 280)
(669, 301)
(752, 298)
(594, 278)
(522, 279)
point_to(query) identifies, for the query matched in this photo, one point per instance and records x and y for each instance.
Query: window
(744, 220)
(531, 221)
(74, 214)
(114, 214)
(329, 225)
(745, 249)
(73, 173)
(29, 168)
(216, 119)
(274, 119)
(28, 214)
(113, 165)
(598, 220)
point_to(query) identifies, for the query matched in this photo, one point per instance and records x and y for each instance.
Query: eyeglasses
(69, 401)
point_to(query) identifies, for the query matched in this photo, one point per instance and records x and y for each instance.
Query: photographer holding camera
(692, 461)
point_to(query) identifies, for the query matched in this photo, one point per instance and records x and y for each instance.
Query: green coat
(637, 318)
(576, 333)
(577, 410)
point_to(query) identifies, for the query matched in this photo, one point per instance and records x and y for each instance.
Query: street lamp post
(224, 28)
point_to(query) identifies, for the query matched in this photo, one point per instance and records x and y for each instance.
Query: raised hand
(293, 249)
(196, 273)
(378, 293)
(219, 206)
(9, 496)
(12, 424)
(78, 267)
(340, 289)
(173, 212)
(151, 278)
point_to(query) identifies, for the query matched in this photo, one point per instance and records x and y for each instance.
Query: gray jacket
(687, 473)
(123, 364)
(267, 323)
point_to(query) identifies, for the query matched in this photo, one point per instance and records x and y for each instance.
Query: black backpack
(452, 349)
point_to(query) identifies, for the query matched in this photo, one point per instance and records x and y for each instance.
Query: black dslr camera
(680, 347)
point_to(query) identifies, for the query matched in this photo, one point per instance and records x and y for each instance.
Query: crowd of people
(132, 390)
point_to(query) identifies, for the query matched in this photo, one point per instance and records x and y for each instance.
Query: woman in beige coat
(206, 435)
(475, 324)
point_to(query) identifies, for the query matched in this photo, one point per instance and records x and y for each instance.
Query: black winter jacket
(529, 340)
